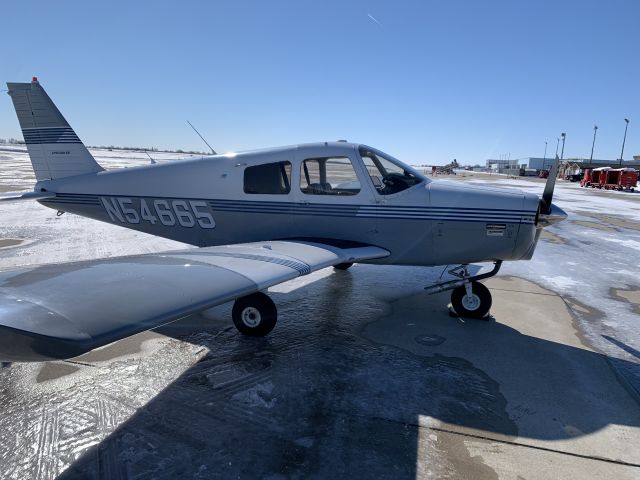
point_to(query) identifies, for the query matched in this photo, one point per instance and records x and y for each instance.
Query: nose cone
(555, 215)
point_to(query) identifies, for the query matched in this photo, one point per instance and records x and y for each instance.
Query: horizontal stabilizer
(29, 195)
(64, 310)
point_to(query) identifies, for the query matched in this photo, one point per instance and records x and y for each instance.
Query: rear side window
(269, 179)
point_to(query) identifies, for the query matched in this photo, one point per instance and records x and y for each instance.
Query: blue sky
(425, 81)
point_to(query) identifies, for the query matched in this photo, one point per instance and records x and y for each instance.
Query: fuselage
(332, 192)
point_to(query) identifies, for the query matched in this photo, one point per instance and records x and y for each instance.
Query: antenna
(194, 129)
(153, 162)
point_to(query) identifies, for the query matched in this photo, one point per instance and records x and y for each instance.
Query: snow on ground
(16, 172)
(52, 239)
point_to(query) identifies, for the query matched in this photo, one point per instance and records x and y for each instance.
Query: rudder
(54, 148)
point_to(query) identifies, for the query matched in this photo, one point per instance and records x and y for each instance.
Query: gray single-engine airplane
(259, 218)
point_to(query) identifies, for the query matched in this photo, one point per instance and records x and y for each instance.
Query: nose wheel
(255, 315)
(469, 297)
(472, 300)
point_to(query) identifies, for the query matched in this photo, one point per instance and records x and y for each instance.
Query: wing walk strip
(345, 211)
(301, 267)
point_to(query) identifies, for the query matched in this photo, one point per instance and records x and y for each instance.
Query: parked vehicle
(574, 177)
(621, 179)
(587, 178)
(594, 177)
(610, 178)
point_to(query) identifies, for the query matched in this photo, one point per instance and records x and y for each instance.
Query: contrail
(373, 18)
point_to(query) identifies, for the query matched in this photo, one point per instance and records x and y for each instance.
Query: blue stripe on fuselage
(450, 214)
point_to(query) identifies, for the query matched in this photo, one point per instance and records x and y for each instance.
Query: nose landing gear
(472, 300)
(469, 298)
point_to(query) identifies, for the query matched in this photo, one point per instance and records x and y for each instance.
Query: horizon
(8, 141)
(425, 82)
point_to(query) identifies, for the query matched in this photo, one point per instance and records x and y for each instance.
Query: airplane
(255, 219)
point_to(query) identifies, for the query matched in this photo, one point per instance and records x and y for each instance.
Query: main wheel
(255, 314)
(477, 305)
(343, 266)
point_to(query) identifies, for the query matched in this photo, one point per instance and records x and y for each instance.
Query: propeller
(547, 195)
(549, 214)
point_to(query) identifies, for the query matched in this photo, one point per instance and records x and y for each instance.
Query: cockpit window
(388, 174)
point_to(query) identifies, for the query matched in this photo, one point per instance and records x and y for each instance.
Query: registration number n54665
(185, 213)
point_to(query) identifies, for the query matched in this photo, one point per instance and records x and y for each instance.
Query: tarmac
(365, 376)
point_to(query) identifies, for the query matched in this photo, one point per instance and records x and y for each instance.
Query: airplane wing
(64, 310)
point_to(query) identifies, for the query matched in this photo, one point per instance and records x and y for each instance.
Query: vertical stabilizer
(54, 148)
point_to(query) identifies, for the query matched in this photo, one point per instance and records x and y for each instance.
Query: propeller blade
(547, 195)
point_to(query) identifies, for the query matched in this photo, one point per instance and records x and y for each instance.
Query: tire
(343, 266)
(478, 307)
(254, 315)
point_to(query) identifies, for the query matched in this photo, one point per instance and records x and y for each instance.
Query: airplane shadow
(318, 398)
(622, 345)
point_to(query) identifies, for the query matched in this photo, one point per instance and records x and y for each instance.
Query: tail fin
(54, 148)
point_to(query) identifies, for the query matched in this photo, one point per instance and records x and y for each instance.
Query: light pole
(624, 138)
(557, 143)
(595, 129)
(563, 135)
(544, 159)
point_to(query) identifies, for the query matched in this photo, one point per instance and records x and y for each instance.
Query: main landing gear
(255, 314)
(469, 298)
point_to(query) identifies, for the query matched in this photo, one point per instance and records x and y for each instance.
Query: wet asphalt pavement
(364, 376)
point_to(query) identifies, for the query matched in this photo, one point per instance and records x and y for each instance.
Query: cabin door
(331, 191)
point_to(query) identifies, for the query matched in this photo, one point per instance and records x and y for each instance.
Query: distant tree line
(15, 141)
(150, 149)
(12, 141)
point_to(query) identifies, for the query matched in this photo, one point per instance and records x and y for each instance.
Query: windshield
(389, 175)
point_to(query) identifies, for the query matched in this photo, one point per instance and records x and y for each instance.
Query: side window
(270, 178)
(328, 176)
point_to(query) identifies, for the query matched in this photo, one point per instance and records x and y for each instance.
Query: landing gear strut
(469, 298)
(255, 314)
